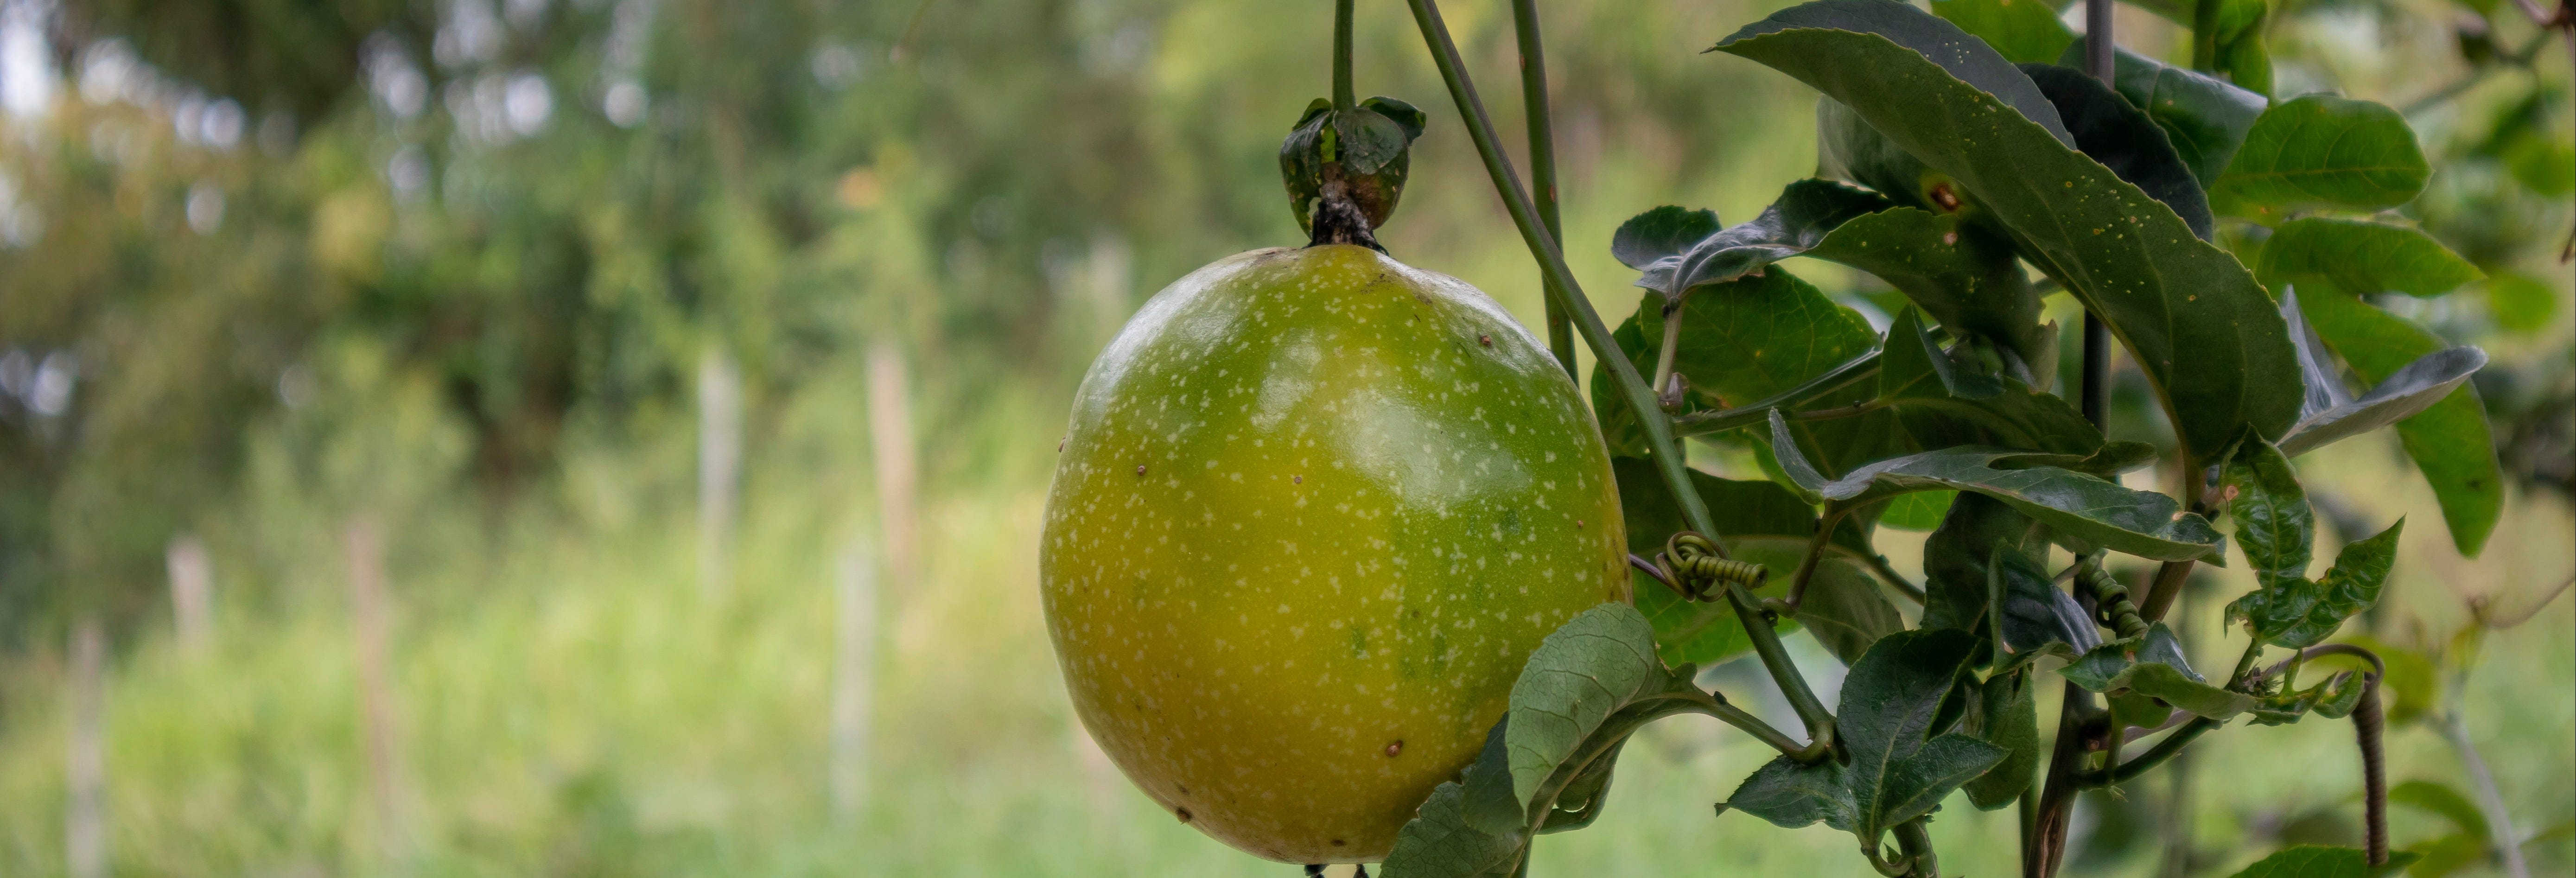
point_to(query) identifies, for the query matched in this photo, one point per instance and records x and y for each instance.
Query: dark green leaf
(1955, 559)
(2031, 616)
(2021, 30)
(2360, 256)
(2318, 861)
(2321, 151)
(2153, 666)
(2430, 379)
(2274, 527)
(1741, 341)
(2205, 118)
(1901, 763)
(1581, 801)
(2125, 139)
(2007, 716)
(1438, 843)
(1937, 42)
(1661, 233)
(1838, 382)
(1963, 274)
(2300, 613)
(2141, 523)
(2196, 322)
(1942, 402)
(1845, 611)
(1597, 665)
(2450, 440)
(1805, 212)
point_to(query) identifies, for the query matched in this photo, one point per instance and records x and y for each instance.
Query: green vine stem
(1542, 142)
(1632, 387)
(1345, 96)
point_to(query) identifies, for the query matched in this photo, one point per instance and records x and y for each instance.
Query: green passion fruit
(1314, 511)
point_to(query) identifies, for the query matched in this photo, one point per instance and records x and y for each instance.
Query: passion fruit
(1314, 511)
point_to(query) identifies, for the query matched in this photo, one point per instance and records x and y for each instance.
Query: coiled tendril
(2110, 599)
(1691, 566)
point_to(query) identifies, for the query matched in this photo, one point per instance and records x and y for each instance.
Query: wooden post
(371, 629)
(85, 768)
(853, 676)
(192, 593)
(719, 469)
(898, 476)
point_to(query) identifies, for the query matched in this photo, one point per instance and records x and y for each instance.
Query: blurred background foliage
(269, 267)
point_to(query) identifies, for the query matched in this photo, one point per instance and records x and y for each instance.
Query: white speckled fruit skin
(1314, 511)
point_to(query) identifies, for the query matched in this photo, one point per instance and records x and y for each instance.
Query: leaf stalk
(1542, 143)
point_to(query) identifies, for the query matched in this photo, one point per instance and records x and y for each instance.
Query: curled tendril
(2110, 599)
(1691, 566)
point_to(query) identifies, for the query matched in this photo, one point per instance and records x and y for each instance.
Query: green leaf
(2450, 440)
(2022, 31)
(2430, 379)
(2007, 716)
(2141, 523)
(2298, 613)
(1921, 510)
(2321, 151)
(1956, 556)
(1962, 274)
(1845, 611)
(2205, 118)
(2520, 303)
(2153, 666)
(2360, 256)
(2125, 139)
(1661, 233)
(2446, 855)
(2318, 861)
(1800, 219)
(2332, 699)
(2445, 800)
(2274, 527)
(2031, 617)
(1901, 764)
(1598, 664)
(2198, 325)
(1740, 341)
(1438, 843)
(1937, 42)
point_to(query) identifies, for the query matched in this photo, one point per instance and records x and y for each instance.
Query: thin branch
(1542, 142)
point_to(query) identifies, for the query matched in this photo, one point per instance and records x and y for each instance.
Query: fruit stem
(1344, 96)
(1542, 142)
(1632, 387)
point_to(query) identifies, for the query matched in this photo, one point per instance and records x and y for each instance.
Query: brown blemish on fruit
(1296, 480)
(1395, 748)
(1140, 469)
